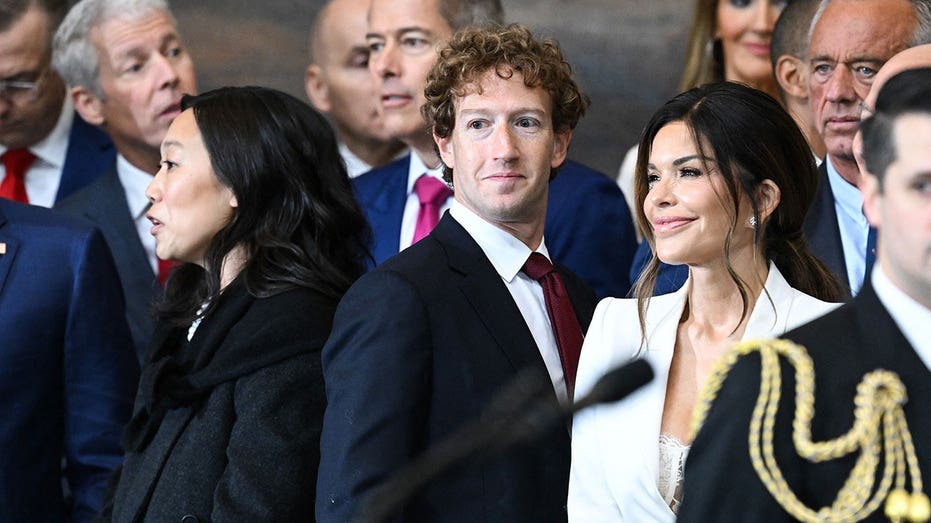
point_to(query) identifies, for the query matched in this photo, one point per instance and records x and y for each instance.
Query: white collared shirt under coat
(615, 448)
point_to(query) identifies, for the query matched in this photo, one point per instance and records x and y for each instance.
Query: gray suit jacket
(104, 204)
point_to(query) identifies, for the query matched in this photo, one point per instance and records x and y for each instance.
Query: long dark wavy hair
(297, 220)
(752, 139)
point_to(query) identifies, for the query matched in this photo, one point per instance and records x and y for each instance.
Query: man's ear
(316, 88)
(872, 198)
(792, 76)
(561, 147)
(445, 147)
(88, 105)
(768, 195)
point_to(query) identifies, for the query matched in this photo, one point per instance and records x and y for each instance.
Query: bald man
(338, 83)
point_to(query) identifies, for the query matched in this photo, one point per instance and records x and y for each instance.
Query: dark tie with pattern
(562, 315)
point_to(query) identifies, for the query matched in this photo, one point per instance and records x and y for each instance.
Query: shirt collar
(845, 193)
(505, 252)
(134, 181)
(911, 317)
(54, 147)
(418, 168)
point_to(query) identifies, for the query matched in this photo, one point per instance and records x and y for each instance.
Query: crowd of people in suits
(245, 307)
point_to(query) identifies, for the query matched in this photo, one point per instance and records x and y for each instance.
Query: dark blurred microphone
(517, 415)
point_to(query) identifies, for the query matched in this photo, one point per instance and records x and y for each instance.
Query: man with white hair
(127, 69)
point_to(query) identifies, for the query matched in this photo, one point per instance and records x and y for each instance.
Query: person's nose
(504, 144)
(167, 71)
(765, 17)
(840, 88)
(661, 193)
(154, 190)
(385, 61)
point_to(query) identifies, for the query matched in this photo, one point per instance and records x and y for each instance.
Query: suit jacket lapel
(11, 246)
(821, 229)
(89, 153)
(382, 199)
(490, 300)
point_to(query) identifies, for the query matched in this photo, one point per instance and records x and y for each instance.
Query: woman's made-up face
(189, 204)
(687, 204)
(745, 28)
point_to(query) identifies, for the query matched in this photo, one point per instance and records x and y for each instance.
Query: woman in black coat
(253, 200)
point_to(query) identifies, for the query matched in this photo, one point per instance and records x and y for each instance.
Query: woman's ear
(768, 195)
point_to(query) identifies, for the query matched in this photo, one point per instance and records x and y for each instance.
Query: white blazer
(615, 448)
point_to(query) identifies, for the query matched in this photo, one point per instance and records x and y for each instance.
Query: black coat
(859, 337)
(248, 450)
(419, 347)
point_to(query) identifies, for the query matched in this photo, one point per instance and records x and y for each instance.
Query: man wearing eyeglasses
(47, 150)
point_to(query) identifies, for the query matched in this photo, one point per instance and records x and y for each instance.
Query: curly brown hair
(475, 50)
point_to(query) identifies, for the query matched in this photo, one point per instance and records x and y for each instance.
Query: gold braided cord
(879, 429)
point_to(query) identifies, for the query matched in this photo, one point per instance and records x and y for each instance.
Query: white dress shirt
(508, 254)
(854, 228)
(412, 206)
(44, 175)
(911, 317)
(134, 183)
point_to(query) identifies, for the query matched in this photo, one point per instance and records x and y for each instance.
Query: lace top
(672, 454)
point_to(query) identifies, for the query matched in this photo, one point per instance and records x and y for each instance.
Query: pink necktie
(562, 316)
(432, 194)
(16, 162)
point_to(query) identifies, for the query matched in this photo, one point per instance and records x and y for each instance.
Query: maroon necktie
(16, 162)
(562, 315)
(432, 194)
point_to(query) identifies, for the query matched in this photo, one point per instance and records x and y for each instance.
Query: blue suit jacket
(90, 153)
(103, 203)
(67, 369)
(588, 225)
(821, 232)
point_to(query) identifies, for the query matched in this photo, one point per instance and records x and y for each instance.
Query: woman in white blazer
(724, 181)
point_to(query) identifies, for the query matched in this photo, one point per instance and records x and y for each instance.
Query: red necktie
(164, 269)
(432, 194)
(16, 162)
(562, 315)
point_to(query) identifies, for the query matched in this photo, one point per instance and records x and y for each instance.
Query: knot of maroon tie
(562, 316)
(432, 194)
(16, 162)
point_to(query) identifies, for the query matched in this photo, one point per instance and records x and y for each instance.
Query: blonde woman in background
(728, 40)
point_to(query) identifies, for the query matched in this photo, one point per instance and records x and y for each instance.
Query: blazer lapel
(10, 246)
(822, 231)
(489, 298)
(382, 196)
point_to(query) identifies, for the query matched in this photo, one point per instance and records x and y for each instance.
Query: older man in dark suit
(884, 327)
(423, 343)
(67, 370)
(47, 150)
(95, 46)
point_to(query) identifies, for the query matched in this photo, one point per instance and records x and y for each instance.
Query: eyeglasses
(21, 91)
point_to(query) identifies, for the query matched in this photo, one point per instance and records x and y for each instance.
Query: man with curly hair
(422, 344)
(588, 225)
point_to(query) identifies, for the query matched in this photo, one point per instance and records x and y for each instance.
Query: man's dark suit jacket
(821, 232)
(420, 346)
(859, 337)
(588, 225)
(89, 154)
(67, 369)
(103, 203)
